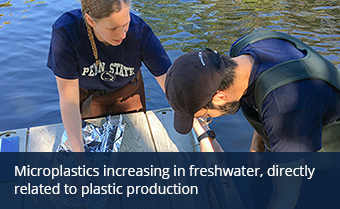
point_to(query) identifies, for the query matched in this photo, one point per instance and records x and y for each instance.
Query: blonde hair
(99, 9)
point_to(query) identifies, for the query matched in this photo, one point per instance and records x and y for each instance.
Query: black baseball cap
(191, 82)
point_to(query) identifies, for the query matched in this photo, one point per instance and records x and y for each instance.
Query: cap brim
(183, 123)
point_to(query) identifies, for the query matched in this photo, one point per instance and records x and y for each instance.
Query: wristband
(210, 133)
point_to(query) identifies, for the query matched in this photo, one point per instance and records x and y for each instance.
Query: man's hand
(206, 145)
(256, 160)
(257, 144)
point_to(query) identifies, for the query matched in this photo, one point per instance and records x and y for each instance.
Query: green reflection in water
(7, 4)
(189, 25)
(39, 2)
(27, 5)
(186, 25)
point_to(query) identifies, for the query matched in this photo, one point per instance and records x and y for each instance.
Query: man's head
(194, 87)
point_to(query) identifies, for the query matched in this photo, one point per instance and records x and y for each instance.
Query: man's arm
(286, 189)
(257, 144)
(70, 111)
(206, 145)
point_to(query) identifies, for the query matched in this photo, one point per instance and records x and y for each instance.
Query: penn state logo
(107, 76)
(110, 74)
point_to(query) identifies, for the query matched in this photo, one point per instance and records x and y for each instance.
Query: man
(288, 92)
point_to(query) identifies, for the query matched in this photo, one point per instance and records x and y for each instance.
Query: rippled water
(28, 90)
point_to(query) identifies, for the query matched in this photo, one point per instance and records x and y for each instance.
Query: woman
(96, 54)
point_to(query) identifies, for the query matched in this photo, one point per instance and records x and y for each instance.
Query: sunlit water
(29, 95)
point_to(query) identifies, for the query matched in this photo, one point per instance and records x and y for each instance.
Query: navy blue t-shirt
(71, 56)
(293, 114)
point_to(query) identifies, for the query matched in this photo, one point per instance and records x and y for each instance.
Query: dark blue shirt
(293, 114)
(71, 56)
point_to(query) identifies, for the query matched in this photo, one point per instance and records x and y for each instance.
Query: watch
(209, 133)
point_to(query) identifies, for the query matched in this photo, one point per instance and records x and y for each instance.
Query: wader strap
(258, 127)
(331, 137)
(312, 66)
(258, 36)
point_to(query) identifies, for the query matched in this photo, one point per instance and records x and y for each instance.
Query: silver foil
(90, 201)
(103, 136)
(100, 135)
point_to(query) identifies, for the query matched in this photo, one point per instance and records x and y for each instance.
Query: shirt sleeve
(62, 59)
(153, 54)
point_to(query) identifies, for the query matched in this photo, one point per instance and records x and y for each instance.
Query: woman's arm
(161, 81)
(70, 111)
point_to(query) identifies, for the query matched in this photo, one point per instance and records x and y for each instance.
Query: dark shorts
(129, 98)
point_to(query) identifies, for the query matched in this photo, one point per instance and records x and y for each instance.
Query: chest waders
(98, 103)
(312, 66)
